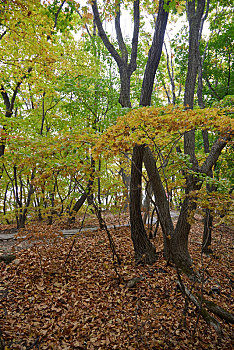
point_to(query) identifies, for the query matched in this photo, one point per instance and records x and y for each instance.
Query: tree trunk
(179, 243)
(140, 240)
(206, 240)
(154, 55)
(126, 68)
(147, 202)
(124, 96)
(86, 195)
(144, 250)
(160, 200)
(208, 219)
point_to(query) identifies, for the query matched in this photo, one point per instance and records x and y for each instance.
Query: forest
(116, 174)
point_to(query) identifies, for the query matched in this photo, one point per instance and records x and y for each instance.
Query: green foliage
(66, 106)
(218, 63)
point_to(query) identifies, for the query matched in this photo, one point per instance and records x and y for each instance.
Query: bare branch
(213, 156)
(103, 35)
(118, 30)
(135, 36)
(57, 13)
(86, 27)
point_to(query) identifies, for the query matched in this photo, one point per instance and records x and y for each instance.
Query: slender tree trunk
(207, 230)
(9, 104)
(126, 68)
(208, 219)
(179, 244)
(25, 210)
(86, 195)
(144, 250)
(154, 55)
(147, 202)
(160, 200)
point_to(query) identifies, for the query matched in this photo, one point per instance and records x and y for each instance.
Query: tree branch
(57, 13)
(204, 18)
(2, 35)
(17, 88)
(135, 37)
(119, 35)
(214, 93)
(103, 35)
(86, 27)
(213, 156)
(5, 98)
(207, 317)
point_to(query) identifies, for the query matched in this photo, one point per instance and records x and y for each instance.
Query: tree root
(210, 320)
(217, 310)
(7, 258)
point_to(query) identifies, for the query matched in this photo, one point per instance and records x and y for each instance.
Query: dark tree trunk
(126, 68)
(194, 15)
(180, 239)
(160, 200)
(137, 226)
(207, 230)
(154, 55)
(86, 195)
(208, 219)
(22, 210)
(144, 250)
(124, 96)
(147, 202)
(179, 242)
(23, 216)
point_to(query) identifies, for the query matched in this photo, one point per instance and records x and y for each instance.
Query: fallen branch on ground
(7, 258)
(204, 313)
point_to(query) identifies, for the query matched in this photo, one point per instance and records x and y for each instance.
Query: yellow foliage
(159, 126)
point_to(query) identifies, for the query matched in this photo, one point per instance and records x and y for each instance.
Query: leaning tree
(175, 238)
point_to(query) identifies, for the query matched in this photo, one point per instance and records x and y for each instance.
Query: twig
(182, 288)
(74, 239)
(36, 342)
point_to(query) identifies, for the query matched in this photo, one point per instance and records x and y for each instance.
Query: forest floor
(69, 293)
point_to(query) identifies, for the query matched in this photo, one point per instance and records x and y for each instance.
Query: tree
(162, 129)
(142, 246)
(58, 99)
(175, 240)
(126, 67)
(216, 50)
(29, 79)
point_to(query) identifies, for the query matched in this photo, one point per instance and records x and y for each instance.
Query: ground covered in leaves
(69, 293)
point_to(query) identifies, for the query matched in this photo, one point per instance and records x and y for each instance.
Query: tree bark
(9, 104)
(160, 200)
(194, 17)
(144, 250)
(125, 69)
(207, 230)
(179, 242)
(154, 55)
(210, 320)
(137, 226)
(85, 195)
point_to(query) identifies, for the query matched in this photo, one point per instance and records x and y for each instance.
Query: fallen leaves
(84, 306)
